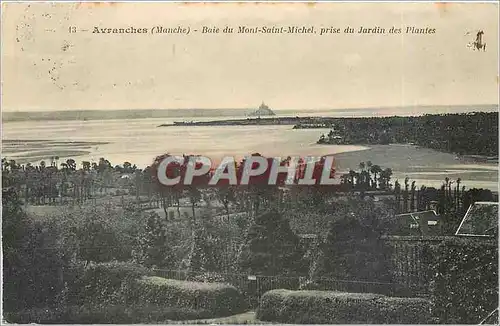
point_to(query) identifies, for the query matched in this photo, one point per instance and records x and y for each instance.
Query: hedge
(110, 314)
(218, 298)
(105, 283)
(119, 292)
(102, 288)
(465, 285)
(328, 307)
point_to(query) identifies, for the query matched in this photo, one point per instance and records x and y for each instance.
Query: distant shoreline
(307, 122)
(88, 115)
(248, 122)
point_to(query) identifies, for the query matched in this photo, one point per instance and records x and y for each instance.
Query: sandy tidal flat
(24, 151)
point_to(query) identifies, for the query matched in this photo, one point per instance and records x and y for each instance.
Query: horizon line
(254, 108)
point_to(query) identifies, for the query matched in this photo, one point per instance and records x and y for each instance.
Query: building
(480, 220)
(414, 223)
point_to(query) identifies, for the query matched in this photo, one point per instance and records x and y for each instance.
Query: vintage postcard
(248, 163)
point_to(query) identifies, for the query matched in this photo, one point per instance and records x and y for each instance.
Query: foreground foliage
(465, 286)
(75, 266)
(353, 249)
(217, 298)
(324, 307)
(117, 292)
(272, 248)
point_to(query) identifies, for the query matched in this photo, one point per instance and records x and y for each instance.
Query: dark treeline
(66, 183)
(465, 134)
(57, 266)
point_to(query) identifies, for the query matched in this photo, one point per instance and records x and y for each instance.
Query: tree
(258, 190)
(153, 243)
(86, 165)
(344, 179)
(352, 175)
(127, 167)
(103, 164)
(35, 255)
(194, 195)
(412, 197)
(473, 195)
(272, 248)
(5, 164)
(375, 169)
(14, 225)
(205, 255)
(385, 178)
(71, 164)
(166, 199)
(457, 195)
(365, 179)
(99, 234)
(353, 249)
(226, 195)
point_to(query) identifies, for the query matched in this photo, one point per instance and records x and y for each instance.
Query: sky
(44, 67)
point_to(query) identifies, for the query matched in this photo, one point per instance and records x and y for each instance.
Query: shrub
(106, 283)
(36, 258)
(473, 195)
(272, 248)
(354, 250)
(111, 314)
(99, 233)
(33, 315)
(465, 285)
(323, 307)
(115, 293)
(205, 254)
(155, 249)
(218, 298)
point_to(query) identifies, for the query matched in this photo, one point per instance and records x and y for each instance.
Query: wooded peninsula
(474, 133)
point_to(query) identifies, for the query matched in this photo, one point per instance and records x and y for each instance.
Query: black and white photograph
(250, 162)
